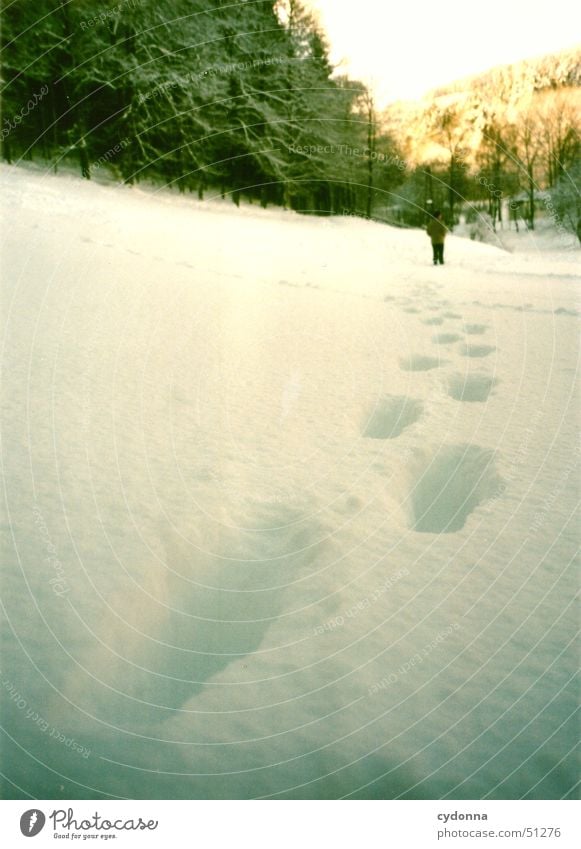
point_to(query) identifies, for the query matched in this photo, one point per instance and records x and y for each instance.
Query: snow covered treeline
(200, 94)
(241, 99)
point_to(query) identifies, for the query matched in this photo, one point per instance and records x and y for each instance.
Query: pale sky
(407, 47)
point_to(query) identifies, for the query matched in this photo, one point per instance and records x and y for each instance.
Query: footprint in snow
(418, 362)
(471, 388)
(475, 329)
(477, 351)
(448, 485)
(391, 416)
(446, 338)
(207, 606)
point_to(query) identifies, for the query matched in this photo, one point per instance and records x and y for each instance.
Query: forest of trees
(239, 98)
(204, 95)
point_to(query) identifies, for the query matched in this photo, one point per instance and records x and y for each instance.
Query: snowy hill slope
(289, 512)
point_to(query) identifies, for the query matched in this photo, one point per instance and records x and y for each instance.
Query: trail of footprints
(468, 388)
(449, 482)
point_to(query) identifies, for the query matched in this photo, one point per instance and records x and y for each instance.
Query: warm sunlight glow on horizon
(404, 50)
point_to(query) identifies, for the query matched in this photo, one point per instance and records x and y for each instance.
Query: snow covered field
(289, 512)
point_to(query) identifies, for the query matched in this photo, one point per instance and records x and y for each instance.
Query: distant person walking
(437, 232)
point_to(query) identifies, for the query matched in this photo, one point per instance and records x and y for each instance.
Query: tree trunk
(6, 151)
(369, 187)
(371, 142)
(531, 198)
(429, 189)
(84, 159)
(451, 192)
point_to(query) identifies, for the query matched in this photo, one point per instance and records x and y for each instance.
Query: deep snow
(289, 512)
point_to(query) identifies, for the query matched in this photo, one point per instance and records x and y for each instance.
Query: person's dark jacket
(437, 231)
